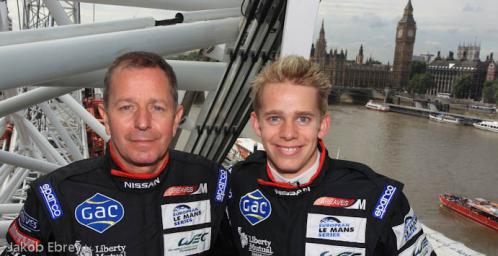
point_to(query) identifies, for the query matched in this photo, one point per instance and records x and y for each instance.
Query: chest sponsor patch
(186, 190)
(338, 202)
(81, 249)
(185, 214)
(188, 242)
(313, 249)
(254, 245)
(338, 228)
(221, 186)
(255, 207)
(50, 200)
(407, 230)
(384, 201)
(27, 222)
(99, 212)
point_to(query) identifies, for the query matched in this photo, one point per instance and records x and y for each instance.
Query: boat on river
(487, 125)
(377, 106)
(445, 119)
(478, 209)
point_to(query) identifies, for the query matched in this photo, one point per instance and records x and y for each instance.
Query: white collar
(303, 178)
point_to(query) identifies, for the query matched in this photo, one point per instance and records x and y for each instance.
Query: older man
(295, 200)
(141, 198)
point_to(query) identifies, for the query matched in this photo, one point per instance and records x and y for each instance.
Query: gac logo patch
(99, 213)
(255, 207)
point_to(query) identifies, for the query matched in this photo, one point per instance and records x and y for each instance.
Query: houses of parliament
(369, 73)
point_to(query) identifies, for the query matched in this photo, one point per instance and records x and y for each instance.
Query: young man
(295, 200)
(141, 198)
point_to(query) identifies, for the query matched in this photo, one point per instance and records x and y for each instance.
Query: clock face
(400, 32)
(411, 33)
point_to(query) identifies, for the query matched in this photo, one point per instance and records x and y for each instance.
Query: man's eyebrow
(305, 113)
(273, 112)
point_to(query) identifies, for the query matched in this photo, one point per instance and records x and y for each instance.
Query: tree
(490, 92)
(418, 67)
(420, 83)
(462, 86)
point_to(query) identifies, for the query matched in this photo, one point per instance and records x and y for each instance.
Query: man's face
(289, 124)
(141, 117)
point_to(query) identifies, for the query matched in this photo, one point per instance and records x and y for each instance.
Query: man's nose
(143, 119)
(288, 130)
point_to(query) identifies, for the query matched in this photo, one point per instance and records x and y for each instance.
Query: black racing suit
(346, 209)
(91, 207)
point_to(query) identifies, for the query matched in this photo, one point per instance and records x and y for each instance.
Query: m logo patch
(255, 207)
(99, 213)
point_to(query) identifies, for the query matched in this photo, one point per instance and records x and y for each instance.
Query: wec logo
(99, 212)
(255, 207)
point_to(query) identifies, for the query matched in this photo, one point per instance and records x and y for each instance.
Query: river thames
(430, 158)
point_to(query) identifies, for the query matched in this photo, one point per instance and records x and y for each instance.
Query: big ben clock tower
(405, 40)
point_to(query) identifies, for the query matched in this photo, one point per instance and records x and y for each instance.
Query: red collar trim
(274, 183)
(127, 174)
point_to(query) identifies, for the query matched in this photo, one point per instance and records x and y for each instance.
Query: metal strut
(219, 125)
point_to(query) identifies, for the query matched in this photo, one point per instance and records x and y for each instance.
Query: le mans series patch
(384, 201)
(50, 200)
(99, 212)
(255, 207)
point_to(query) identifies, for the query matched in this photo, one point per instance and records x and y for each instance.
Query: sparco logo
(51, 201)
(142, 185)
(221, 186)
(384, 200)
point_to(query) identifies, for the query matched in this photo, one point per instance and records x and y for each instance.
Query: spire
(322, 30)
(408, 14)
(361, 49)
(409, 6)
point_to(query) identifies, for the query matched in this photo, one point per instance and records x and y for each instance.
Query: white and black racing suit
(346, 209)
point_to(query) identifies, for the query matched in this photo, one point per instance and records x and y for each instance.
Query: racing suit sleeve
(29, 232)
(403, 235)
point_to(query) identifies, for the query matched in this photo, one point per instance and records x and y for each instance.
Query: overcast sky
(441, 25)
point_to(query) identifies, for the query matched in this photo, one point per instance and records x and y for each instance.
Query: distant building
(445, 71)
(348, 73)
(369, 73)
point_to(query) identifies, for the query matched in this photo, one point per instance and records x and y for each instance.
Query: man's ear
(255, 124)
(103, 114)
(324, 126)
(178, 118)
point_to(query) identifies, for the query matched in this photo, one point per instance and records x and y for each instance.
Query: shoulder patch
(384, 201)
(221, 185)
(50, 200)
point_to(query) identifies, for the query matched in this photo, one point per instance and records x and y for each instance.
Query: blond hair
(294, 69)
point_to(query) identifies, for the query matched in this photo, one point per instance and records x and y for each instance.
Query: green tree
(420, 83)
(490, 92)
(418, 67)
(462, 86)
